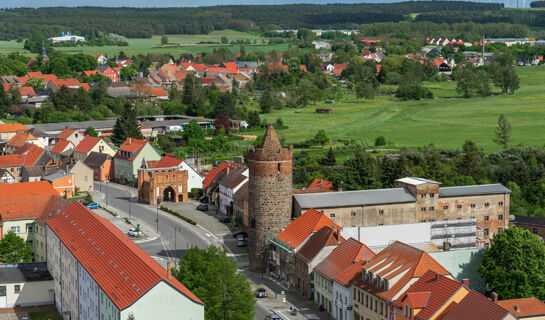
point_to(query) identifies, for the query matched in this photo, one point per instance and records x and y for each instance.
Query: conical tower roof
(270, 140)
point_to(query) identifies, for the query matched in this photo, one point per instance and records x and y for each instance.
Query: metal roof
(415, 181)
(354, 198)
(482, 189)
(51, 127)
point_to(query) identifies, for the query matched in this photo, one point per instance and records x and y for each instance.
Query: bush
(413, 91)
(380, 141)
(392, 78)
(176, 214)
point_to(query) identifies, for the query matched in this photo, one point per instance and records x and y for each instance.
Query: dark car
(240, 233)
(225, 219)
(272, 316)
(260, 293)
(202, 207)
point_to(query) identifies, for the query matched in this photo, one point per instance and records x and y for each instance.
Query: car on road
(225, 219)
(134, 233)
(202, 207)
(272, 316)
(92, 205)
(236, 234)
(260, 293)
(242, 237)
(241, 243)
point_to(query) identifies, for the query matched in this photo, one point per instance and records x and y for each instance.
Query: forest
(22, 23)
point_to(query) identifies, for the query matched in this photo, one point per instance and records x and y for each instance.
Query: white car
(134, 233)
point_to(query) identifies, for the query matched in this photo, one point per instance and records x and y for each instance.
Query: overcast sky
(158, 3)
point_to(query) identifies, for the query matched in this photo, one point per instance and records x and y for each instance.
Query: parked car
(260, 293)
(92, 205)
(241, 243)
(272, 316)
(225, 219)
(134, 233)
(202, 207)
(236, 234)
(83, 202)
(241, 238)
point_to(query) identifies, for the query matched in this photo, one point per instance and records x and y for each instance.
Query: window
(69, 180)
(381, 224)
(353, 213)
(16, 229)
(534, 231)
(376, 304)
(366, 300)
(500, 217)
(432, 195)
(486, 232)
(500, 230)
(381, 212)
(500, 204)
(423, 220)
(486, 204)
(432, 208)
(332, 215)
(17, 289)
(85, 178)
(422, 209)
(459, 206)
(381, 308)
(445, 207)
(486, 245)
(473, 205)
(279, 165)
(486, 218)
(423, 196)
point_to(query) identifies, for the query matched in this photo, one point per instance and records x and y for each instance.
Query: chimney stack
(169, 270)
(227, 171)
(494, 297)
(517, 309)
(465, 282)
(446, 246)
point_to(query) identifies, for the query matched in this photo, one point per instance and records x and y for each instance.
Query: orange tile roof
(322, 238)
(348, 275)
(6, 86)
(87, 144)
(303, 226)
(27, 91)
(65, 133)
(322, 184)
(217, 69)
(181, 75)
(343, 257)
(398, 259)
(525, 307)
(36, 74)
(90, 72)
(66, 82)
(131, 145)
(199, 67)
(122, 269)
(19, 139)
(155, 92)
(474, 306)
(172, 68)
(15, 160)
(23, 80)
(230, 65)
(31, 154)
(429, 293)
(30, 206)
(12, 127)
(26, 188)
(168, 162)
(60, 146)
(210, 176)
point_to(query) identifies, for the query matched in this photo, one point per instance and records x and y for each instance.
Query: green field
(177, 44)
(446, 121)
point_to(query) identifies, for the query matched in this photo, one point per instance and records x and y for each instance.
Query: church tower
(270, 186)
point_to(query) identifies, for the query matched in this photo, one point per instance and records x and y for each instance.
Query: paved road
(171, 244)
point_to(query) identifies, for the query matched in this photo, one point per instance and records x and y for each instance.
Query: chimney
(446, 246)
(130, 140)
(465, 282)
(227, 171)
(494, 297)
(516, 307)
(169, 270)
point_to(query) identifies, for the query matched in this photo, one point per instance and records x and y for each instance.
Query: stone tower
(270, 185)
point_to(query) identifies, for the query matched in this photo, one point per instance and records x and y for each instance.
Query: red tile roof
(321, 183)
(31, 154)
(154, 92)
(66, 82)
(343, 257)
(122, 269)
(172, 68)
(12, 127)
(210, 176)
(525, 307)
(27, 91)
(131, 145)
(168, 162)
(474, 306)
(90, 72)
(19, 139)
(230, 65)
(429, 293)
(398, 259)
(11, 161)
(23, 80)
(36, 74)
(26, 188)
(348, 275)
(65, 133)
(6, 86)
(30, 206)
(322, 238)
(60, 146)
(303, 226)
(87, 144)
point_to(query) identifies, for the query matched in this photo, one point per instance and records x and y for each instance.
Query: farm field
(446, 121)
(178, 44)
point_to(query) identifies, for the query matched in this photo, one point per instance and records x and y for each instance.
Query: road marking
(146, 240)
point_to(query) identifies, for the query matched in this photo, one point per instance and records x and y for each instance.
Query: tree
(128, 73)
(466, 81)
(126, 125)
(320, 138)
(380, 141)
(222, 123)
(503, 132)
(362, 171)
(266, 101)
(224, 40)
(226, 105)
(164, 40)
(329, 159)
(192, 96)
(165, 143)
(514, 265)
(506, 78)
(253, 119)
(365, 90)
(470, 161)
(35, 83)
(213, 277)
(90, 131)
(14, 249)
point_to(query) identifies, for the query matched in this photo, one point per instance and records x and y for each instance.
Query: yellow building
(91, 144)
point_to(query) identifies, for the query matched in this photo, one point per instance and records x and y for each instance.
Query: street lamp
(176, 229)
(130, 198)
(159, 199)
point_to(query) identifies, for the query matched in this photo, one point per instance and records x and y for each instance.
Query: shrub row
(176, 214)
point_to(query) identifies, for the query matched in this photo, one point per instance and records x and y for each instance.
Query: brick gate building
(270, 198)
(159, 179)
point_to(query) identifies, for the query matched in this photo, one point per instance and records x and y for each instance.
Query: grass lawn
(45, 315)
(446, 121)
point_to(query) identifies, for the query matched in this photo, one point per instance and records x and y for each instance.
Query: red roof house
(524, 308)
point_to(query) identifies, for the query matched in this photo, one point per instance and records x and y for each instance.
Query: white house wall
(342, 298)
(194, 179)
(54, 264)
(69, 283)
(108, 310)
(88, 295)
(32, 293)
